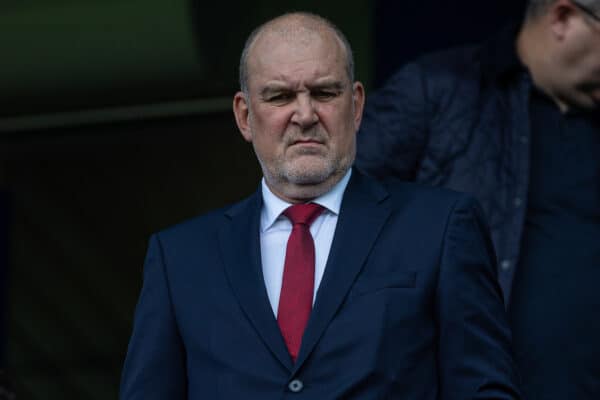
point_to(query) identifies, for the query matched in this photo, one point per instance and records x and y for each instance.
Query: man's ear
(560, 17)
(358, 99)
(241, 110)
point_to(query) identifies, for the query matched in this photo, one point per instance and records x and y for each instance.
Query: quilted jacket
(459, 119)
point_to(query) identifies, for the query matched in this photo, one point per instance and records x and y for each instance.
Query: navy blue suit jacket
(408, 307)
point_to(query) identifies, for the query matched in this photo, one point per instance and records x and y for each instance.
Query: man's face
(301, 112)
(579, 82)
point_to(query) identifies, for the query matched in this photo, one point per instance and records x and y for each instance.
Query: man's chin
(308, 178)
(308, 170)
(301, 180)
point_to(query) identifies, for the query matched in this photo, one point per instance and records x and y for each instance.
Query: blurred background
(115, 122)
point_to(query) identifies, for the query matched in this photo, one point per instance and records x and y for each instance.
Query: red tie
(295, 299)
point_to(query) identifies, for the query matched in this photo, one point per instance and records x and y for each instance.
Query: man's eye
(324, 94)
(280, 97)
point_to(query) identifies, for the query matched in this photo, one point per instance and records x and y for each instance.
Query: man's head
(299, 106)
(560, 44)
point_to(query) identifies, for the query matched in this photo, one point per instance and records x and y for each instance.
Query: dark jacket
(420, 320)
(459, 119)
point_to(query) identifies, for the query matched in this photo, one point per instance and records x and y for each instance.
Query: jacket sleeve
(155, 363)
(393, 132)
(475, 355)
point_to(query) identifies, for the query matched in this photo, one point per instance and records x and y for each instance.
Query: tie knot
(303, 213)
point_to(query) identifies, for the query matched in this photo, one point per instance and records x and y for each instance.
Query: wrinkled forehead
(280, 46)
(292, 33)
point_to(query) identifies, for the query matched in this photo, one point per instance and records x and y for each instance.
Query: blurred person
(324, 284)
(515, 122)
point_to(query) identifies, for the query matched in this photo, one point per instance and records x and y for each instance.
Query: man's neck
(294, 193)
(303, 194)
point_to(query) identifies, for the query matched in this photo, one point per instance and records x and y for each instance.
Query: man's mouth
(307, 147)
(306, 141)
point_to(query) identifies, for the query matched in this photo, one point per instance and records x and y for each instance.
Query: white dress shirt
(275, 230)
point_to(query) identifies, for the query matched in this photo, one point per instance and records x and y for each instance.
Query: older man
(516, 122)
(323, 284)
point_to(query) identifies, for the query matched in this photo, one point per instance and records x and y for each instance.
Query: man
(324, 284)
(516, 123)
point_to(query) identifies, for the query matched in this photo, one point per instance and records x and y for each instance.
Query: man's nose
(305, 114)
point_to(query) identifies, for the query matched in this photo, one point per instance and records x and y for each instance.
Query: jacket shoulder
(432, 208)
(450, 61)
(447, 65)
(420, 192)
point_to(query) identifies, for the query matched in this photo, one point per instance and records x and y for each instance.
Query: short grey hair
(536, 8)
(308, 16)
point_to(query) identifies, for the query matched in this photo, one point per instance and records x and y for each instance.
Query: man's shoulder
(424, 195)
(491, 58)
(438, 76)
(415, 196)
(457, 62)
(454, 59)
(424, 212)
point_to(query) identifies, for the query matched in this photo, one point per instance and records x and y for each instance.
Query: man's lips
(306, 142)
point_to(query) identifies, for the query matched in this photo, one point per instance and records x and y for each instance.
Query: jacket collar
(363, 213)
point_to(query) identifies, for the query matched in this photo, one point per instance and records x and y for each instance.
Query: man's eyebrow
(273, 89)
(281, 88)
(331, 85)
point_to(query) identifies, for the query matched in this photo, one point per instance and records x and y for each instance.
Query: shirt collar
(273, 206)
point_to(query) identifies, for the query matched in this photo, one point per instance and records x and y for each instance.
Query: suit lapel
(363, 213)
(239, 240)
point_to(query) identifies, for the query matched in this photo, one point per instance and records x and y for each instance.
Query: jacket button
(517, 202)
(524, 139)
(296, 386)
(505, 265)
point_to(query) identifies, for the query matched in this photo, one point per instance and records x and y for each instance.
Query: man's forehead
(292, 33)
(295, 27)
(297, 36)
(276, 55)
(296, 75)
(325, 82)
(294, 30)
